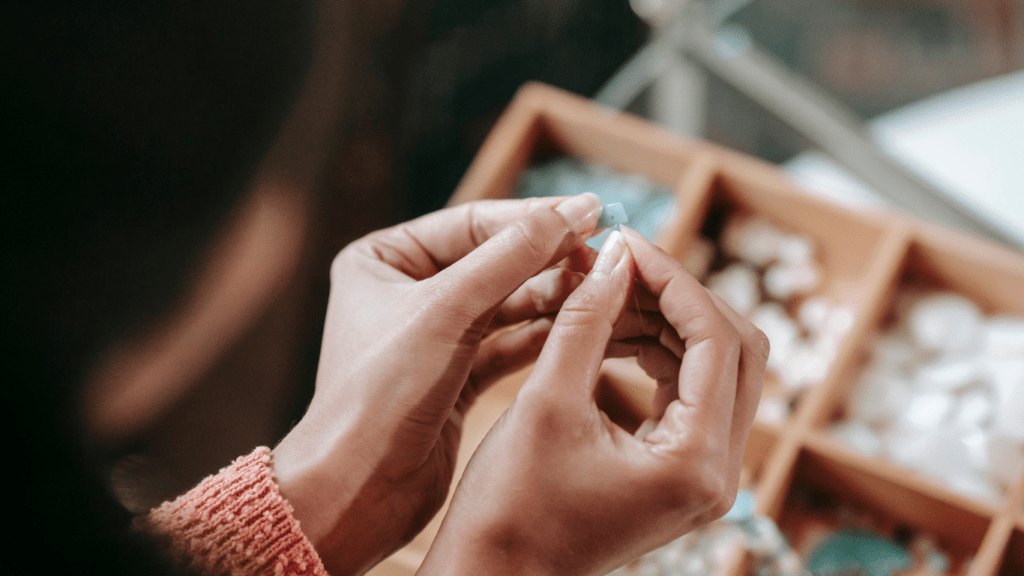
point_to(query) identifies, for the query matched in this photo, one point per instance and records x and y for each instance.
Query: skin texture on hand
(422, 317)
(556, 487)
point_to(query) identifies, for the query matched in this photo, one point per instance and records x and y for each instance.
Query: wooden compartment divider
(692, 195)
(866, 258)
(1002, 551)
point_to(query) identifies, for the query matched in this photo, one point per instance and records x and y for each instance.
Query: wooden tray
(866, 258)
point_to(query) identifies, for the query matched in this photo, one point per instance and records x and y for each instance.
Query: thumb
(485, 277)
(572, 355)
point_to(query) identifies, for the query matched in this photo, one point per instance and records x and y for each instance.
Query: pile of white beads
(943, 395)
(768, 273)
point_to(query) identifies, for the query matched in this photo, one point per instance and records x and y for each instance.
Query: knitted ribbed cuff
(235, 522)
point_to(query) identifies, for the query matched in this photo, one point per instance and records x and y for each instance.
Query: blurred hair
(132, 128)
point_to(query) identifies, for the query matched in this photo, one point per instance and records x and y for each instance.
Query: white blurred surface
(968, 142)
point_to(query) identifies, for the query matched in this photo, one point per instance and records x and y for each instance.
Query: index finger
(426, 245)
(708, 374)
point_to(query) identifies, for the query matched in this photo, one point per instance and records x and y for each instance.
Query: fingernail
(611, 252)
(581, 211)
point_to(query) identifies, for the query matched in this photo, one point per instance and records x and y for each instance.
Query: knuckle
(709, 488)
(574, 324)
(582, 310)
(543, 415)
(340, 265)
(337, 265)
(540, 295)
(711, 324)
(722, 504)
(727, 336)
(758, 345)
(564, 280)
(531, 239)
(477, 230)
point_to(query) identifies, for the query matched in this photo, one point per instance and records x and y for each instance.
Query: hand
(556, 487)
(404, 355)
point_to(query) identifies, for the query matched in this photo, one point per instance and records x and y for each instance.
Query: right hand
(556, 487)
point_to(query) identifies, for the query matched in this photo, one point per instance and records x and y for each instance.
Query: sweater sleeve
(235, 522)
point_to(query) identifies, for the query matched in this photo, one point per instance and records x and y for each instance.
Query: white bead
(1008, 384)
(867, 399)
(737, 285)
(943, 455)
(879, 397)
(1004, 337)
(927, 411)
(752, 239)
(1005, 459)
(895, 351)
(976, 440)
(670, 557)
(907, 448)
(858, 436)
(974, 485)
(794, 249)
(945, 322)
(839, 321)
(974, 409)
(897, 397)
(814, 312)
(826, 347)
(803, 367)
(772, 410)
(724, 548)
(780, 329)
(784, 280)
(948, 375)
(695, 565)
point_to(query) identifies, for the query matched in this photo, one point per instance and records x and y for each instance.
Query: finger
(571, 359)
(753, 359)
(634, 323)
(507, 352)
(658, 362)
(541, 295)
(581, 259)
(426, 245)
(485, 277)
(710, 363)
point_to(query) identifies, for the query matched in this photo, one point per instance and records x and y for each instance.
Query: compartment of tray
(853, 253)
(827, 493)
(872, 391)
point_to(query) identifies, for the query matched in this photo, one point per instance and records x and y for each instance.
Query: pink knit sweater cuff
(235, 522)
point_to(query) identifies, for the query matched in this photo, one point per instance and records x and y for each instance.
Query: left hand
(422, 317)
(556, 488)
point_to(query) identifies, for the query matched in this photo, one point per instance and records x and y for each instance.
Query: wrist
(347, 502)
(306, 478)
(464, 549)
